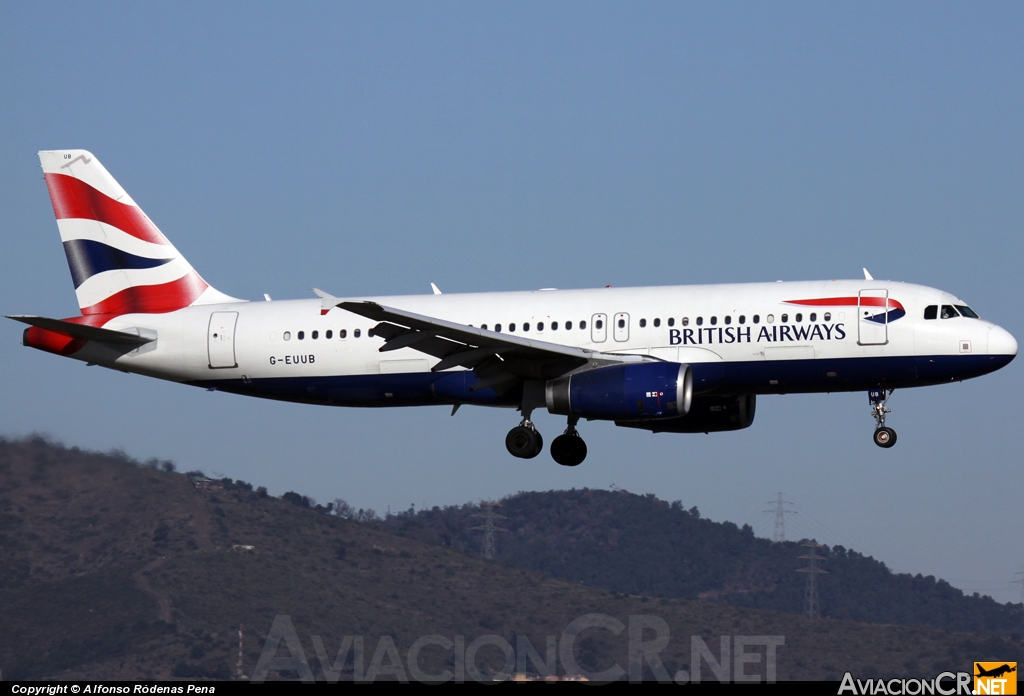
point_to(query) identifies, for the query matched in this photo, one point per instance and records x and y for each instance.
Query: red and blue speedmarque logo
(893, 309)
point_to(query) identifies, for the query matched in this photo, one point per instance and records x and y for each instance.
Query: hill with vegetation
(117, 569)
(638, 544)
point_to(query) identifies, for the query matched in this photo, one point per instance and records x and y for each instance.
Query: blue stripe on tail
(86, 258)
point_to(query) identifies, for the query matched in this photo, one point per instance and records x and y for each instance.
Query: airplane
(995, 671)
(674, 359)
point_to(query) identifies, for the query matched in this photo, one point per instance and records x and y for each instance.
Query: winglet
(867, 276)
(437, 290)
(327, 301)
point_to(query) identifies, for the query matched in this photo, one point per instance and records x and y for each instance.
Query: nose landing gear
(569, 449)
(884, 437)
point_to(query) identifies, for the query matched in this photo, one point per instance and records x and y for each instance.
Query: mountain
(638, 544)
(116, 569)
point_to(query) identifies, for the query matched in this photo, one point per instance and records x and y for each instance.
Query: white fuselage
(740, 333)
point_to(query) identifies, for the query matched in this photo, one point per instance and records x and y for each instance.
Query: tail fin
(120, 262)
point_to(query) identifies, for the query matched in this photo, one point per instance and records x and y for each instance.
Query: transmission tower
(240, 675)
(488, 527)
(812, 570)
(1020, 574)
(780, 512)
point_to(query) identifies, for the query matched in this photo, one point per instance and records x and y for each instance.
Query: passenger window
(643, 323)
(483, 326)
(583, 325)
(931, 312)
(526, 326)
(568, 326)
(512, 327)
(814, 317)
(948, 312)
(540, 326)
(700, 321)
(728, 320)
(967, 311)
(356, 333)
(757, 319)
(597, 324)
(301, 335)
(657, 323)
(329, 335)
(671, 321)
(785, 318)
(771, 318)
(315, 335)
(622, 323)
(799, 318)
(714, 320)
(497, 328)
(343, 333)
(287, 335)
(554, 326)
(828, 316)
(743, 319)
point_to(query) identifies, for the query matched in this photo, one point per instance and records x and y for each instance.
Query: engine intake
(636, 391)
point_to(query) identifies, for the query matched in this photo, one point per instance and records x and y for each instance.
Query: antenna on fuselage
(867, 276)
(437, 290)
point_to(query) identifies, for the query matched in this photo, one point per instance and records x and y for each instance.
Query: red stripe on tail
(73, 198)
(152, 299)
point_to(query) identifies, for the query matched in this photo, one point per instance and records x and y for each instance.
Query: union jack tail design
(120, 261)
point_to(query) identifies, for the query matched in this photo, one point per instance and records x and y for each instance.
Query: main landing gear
(884, 436)
(569, 449)
(525, 442)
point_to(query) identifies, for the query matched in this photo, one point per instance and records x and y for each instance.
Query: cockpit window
(949, 311)
(967, 311)
(931, 312)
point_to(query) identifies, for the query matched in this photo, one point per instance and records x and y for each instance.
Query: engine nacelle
(708, 414)
(635, 391)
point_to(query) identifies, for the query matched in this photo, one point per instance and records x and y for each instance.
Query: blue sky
(374, 148)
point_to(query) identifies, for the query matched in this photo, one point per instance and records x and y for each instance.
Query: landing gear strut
(569, 449)
(524, 441)
(883, 437)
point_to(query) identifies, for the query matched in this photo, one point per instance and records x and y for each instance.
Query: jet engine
(708, 414)
(635, 391)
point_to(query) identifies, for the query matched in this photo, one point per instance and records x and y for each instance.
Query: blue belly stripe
(712, 379)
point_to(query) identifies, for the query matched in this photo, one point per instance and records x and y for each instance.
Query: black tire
(569, 450)
(523, 442)
(885, 437)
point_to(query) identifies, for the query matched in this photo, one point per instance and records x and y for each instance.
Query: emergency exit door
(221, 339)
(599, 328)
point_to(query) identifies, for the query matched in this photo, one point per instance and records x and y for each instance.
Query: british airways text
(765, 334)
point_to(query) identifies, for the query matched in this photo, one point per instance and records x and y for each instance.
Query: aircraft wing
(497, 359)
(84, 331)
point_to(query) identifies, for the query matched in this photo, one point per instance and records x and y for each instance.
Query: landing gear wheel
(885, 437)
(569, 449)
(524, 442)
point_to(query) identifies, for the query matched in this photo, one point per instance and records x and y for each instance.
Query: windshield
(967, 311)
(949, 311)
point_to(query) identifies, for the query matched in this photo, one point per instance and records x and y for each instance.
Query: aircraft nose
(1001, 342)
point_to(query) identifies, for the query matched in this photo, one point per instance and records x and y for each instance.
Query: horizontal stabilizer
(88, 333)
